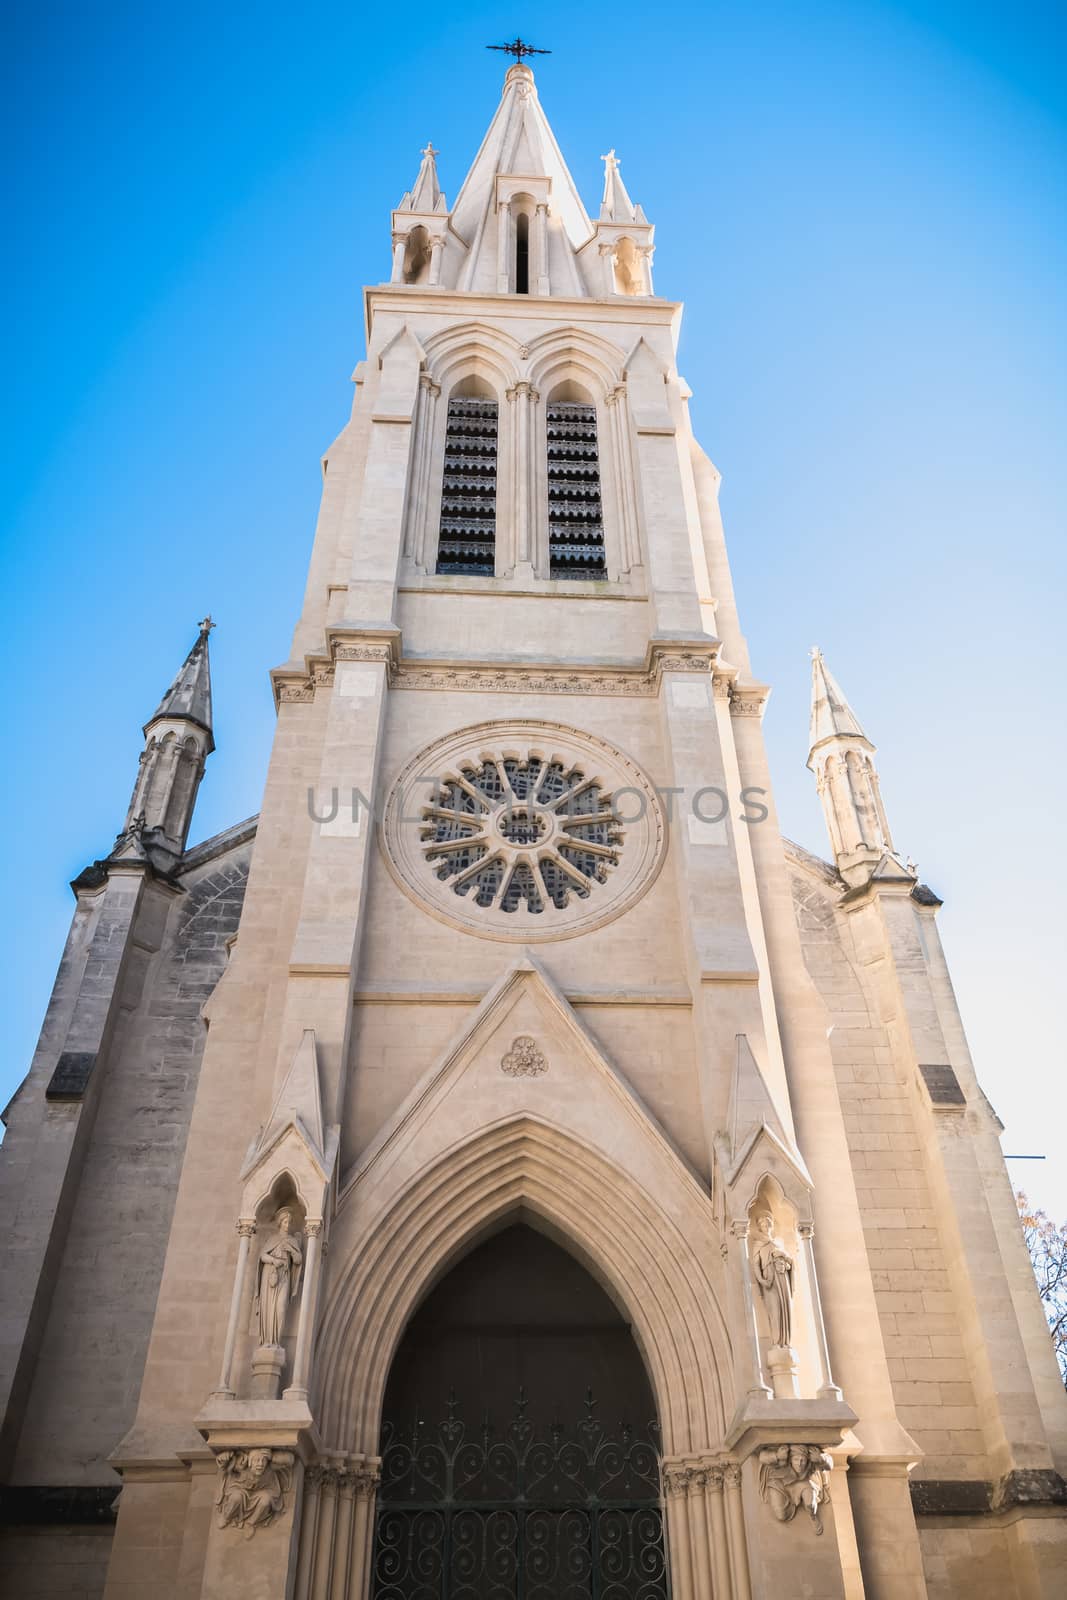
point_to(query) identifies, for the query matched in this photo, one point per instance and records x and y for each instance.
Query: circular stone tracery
(511, 832)
(523, 830)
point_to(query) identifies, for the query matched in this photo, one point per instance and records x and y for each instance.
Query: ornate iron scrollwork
(555, 1513)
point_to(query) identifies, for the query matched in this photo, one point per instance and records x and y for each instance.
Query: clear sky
(863, 206)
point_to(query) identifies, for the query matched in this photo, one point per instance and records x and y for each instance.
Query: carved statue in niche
(775, 1272)
(280, 1264)
(253, 1487)
(794, 1475)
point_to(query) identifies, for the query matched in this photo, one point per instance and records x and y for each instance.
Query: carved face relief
(524, 831)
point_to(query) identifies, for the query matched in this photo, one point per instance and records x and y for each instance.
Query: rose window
(523, 830)
(532, 833)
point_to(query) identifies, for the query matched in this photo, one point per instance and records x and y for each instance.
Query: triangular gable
(488, 1073)
(756, 1142)
(294, 1138)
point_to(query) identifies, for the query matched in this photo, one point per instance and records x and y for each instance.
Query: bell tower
(524, 953)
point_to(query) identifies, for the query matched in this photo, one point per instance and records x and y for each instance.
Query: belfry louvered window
(468, 494)
(575, 514)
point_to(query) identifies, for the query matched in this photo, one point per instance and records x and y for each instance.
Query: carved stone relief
(524, 1059)
(278, 1282)
(793, 1477)
(253, 1485)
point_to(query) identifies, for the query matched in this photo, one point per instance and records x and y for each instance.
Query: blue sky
(863, 206)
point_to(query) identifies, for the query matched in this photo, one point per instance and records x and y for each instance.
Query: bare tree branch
(1047, 1245)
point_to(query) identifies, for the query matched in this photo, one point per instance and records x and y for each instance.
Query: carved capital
(731, 1475)
(313, 1229)
(366, 1482)
(246, 1228)
(676, 1480)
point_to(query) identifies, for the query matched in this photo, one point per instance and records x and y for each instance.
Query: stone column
(503, 246)
(437, 246)
(645, 252)
(625, 484)
(675, 1486)
(246, 1229)
(309, 1532)
(322, 1570)
(305, 1330)
(366, 1480)
(523, 397)
(541, 248)
(828, 1389)
(757, 1387)
(735, 1521)
(399, 246)
(696, 1489)
(606, 253)
(718, 1538)
(342, 1542)
(418, 498)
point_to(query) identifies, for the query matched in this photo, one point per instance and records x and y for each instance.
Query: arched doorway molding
(652, 1253)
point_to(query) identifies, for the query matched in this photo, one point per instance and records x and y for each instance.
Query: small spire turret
(425, 195)
(178, 740)
(616, 206)
(841, 757)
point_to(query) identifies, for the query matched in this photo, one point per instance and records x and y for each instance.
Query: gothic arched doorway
(519, 1441)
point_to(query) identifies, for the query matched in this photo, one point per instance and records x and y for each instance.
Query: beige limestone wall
(920, 1325)
(91, 1356)
(54, 1563)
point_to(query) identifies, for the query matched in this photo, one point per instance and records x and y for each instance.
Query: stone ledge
(59, 1505)
(978, 1497)
(775, 1421)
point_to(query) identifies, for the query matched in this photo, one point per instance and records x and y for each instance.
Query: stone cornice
(687, 654)
(555, 308)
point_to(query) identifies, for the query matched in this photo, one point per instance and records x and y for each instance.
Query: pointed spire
(616, 205)
(426, 194)
(189, 697)
(841, 757)
(171, 766)
(831, 714)
(520, 169)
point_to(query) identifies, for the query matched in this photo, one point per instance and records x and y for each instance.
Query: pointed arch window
(467, 542)
(522, 253)
(575, 507)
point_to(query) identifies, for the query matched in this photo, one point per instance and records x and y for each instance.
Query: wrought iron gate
(533, 1514)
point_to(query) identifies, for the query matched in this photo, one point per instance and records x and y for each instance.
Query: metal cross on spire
(519, 48)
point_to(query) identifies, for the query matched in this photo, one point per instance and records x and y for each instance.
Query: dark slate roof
(189, 696)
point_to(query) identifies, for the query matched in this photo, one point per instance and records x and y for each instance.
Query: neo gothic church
(506, 1168)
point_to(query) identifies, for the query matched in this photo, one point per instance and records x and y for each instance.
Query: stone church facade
(506, 1169)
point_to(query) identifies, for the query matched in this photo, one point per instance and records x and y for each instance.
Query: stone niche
(275, 1284)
